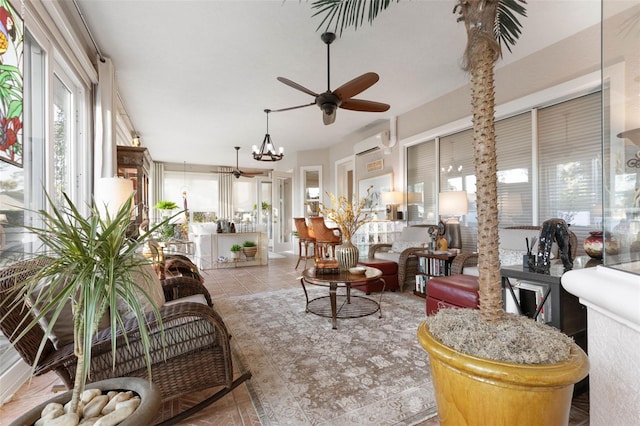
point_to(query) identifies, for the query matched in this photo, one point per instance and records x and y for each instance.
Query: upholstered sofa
(412, 239)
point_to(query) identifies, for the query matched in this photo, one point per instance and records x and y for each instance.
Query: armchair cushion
(387, 255)
(400, 246)
(415, 233)
(196, 298)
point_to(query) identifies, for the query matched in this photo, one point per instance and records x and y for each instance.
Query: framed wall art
(379, 184)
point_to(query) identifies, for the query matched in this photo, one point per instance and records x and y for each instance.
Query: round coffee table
(351, 306)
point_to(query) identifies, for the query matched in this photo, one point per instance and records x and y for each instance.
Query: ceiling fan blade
(367, 106)
(329, 118)
(357, 85)
(296, 86)
(295, 107)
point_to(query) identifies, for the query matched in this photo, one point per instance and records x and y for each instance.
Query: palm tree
(489, 24)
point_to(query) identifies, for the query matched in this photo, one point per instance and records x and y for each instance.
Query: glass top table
(343, 305)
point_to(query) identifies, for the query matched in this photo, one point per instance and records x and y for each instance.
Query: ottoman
(389, 274)
(453, 291)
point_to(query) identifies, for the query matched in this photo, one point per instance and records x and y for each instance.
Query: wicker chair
(407, 261)
(197, 355)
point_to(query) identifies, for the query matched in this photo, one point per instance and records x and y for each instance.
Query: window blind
(421, 179)
(570, 164)
(457, 173)
(513, 150)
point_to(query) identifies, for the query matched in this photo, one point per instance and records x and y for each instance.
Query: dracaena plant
(92, 265)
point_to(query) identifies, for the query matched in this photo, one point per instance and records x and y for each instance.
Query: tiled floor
(234, 408)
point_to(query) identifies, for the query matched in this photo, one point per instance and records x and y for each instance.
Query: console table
(567, 314)
(209, 248)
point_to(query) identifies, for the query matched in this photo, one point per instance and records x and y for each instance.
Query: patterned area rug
(370, 370)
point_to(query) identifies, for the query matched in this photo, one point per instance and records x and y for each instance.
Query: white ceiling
(195, 76)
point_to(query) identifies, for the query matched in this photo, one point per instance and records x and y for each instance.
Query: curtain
(105, 156)
(225, 194)
(157, 184)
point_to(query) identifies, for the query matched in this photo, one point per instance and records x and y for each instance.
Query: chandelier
(267, 151)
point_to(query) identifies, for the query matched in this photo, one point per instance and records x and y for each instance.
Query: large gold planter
(477, 391)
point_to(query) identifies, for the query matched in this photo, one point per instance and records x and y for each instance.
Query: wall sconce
(392, 200)
(453, 204)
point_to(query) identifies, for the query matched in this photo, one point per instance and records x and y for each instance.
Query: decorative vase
(469, 390)
(598, 243)
(145, 414)
(347, 255)
(250, 252)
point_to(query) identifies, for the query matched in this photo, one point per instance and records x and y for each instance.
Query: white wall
(562, 62)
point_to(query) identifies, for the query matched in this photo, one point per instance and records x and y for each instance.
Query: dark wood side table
(567, 314)
(431, 264)
(351, 306)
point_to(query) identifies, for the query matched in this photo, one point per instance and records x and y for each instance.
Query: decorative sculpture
(553, 230)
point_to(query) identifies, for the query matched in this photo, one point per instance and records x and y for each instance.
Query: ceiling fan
(237, 172)
(329, 101)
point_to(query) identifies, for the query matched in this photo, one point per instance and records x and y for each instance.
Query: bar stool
(326, 238)
(305, 237)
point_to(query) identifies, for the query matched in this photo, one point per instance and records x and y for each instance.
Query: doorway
(282, 202)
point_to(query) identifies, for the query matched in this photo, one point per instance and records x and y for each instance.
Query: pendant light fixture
(267, 151)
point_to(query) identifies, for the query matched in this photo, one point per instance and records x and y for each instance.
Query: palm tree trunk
(482, 52)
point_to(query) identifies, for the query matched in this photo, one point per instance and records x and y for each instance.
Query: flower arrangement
(348, 216)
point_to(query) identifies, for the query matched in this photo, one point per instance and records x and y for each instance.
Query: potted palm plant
(91, 264)
(540, 391)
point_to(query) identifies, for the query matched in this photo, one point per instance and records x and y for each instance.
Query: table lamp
(110, 194)
(453, 204)
(392, 200)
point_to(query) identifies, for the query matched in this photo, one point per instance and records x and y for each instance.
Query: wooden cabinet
(134, 163)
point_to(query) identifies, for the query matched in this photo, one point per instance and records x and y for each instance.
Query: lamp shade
(453, 203)
(110, 194)
(393, 197)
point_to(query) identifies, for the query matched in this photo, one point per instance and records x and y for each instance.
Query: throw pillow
(400, 246)
(62, 330)
(510, 256)
(147, 279)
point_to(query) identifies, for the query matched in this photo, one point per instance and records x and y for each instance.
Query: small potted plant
(249, 249)
(165, 207)
(235, 251)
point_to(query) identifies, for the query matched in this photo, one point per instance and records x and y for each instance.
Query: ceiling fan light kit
(330, 101)
(267, 151)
